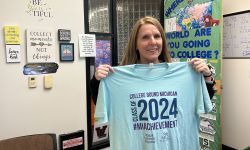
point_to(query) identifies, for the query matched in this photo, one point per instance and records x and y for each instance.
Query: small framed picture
(64, 35)
(66, 51)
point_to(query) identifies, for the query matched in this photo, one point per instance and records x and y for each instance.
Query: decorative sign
(40, 45)
(13, 53)
(12, 41)
(87, 45)
(64, 35)
(39, 9)
(66, 51)
(12, 35)
(72, 141)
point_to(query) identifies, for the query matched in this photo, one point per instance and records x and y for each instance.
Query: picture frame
(66, 51)
(64, 35)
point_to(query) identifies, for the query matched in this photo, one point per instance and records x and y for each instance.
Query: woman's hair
(131, 55)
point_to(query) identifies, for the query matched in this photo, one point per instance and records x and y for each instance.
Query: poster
(193, 29)
(103, 52)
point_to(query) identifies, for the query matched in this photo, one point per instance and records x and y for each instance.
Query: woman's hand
(102, 71)
(201, 66)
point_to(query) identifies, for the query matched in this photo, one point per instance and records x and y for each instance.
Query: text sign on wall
(40, 45)
(12, 35)
(87, 45)
(64, 35)
(13, 53)
(39, 9)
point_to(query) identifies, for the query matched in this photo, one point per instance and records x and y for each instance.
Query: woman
(147, 44)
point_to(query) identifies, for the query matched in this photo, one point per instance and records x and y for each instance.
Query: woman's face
(149, 44)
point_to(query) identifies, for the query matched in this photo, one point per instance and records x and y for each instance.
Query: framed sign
(40, 45)
(64, 35)
(72, 141)
(66, 51)
(13, 53)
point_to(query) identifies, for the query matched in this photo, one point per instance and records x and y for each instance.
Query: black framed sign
(64, 35)
(72, 141)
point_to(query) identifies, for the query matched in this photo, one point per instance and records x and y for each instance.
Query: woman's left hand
(200, 66)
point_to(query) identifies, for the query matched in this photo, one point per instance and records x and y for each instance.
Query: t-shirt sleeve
(101, 105)
(204, 103)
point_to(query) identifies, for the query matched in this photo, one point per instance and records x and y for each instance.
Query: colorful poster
(40, 45)
(103, 52)
(194, 29)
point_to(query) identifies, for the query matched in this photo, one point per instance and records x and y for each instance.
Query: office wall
(236, 92)
(59, 110)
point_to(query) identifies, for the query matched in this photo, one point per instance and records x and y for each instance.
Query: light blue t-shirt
(153, 107)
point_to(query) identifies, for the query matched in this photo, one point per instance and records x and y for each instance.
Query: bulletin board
(236, 35)
(194, 29)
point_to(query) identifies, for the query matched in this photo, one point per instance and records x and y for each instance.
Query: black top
(94, 86)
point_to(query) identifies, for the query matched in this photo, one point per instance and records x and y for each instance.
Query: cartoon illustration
(209, 21)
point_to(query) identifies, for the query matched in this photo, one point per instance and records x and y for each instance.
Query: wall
(62, 109)
(235, 93)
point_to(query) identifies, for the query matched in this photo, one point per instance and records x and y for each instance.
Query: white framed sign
(40, 45)
(13, 53)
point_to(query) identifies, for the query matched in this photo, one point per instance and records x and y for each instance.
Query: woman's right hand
(102, 71)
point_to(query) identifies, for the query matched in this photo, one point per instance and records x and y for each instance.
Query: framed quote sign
(40, 45)
(64, 35)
